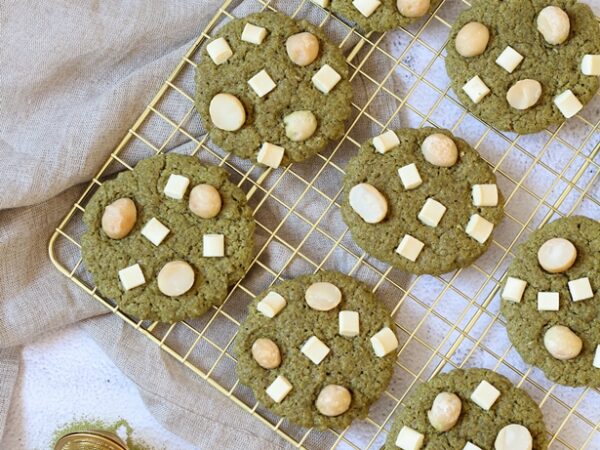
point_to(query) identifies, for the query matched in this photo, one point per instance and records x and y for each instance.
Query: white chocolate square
(254, 34)
(410, 177)
(384, 342)
(219, 51)
(548, 301)
(476, 89)
(176, 186)
(279, 389)
(410, 247)
(155, 231)
(596, 362)
(485, 195)
(409, 439)
(568, 104)
(321, 3)
(262, 83)
(431, 213)
(580, 289)
(386, 141)
(366, 7)
(315, 350)
(270, 155)
(271, 304)
(471, 446)
(213, 245)
(485, 395)
(349, 323)
(131, 277)
(590, 65)
(326, 79)
(479, 228)
(514, 289)
(509, 59)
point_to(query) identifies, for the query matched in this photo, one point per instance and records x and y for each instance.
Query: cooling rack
(442, 322)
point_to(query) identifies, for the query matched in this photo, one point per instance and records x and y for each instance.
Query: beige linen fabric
(74, 75)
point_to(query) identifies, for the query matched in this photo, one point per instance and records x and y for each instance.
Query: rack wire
(442, 322)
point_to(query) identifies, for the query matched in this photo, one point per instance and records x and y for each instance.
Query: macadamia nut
(472, 39)
(554, 24)
(562, 343)
(524, 94)
(333, 400)
(300, 125)
(413, 8)
(445, 411)
(368, 203)
(557, 255)
(266, 353)
(439, 150)
(175, 278)
(227, 112)
(323, 296)
(302, 48)
(119, 218)
(205, 201)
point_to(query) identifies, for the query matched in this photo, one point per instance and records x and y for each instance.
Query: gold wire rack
(442, 322)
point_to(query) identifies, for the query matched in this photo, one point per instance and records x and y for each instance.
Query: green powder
(121, 428)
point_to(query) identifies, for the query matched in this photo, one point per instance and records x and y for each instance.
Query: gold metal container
(90, 440)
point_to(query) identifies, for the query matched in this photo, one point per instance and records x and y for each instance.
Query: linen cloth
(74, 76)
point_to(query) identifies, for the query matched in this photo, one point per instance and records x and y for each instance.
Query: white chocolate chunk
(384, 342)
(302, 48)
(471, 446)
(326, 79)
(349, 323)
(410, 177)
(119, 218)
(366, 7)
(476, 89)
(227, 112)
(485, 395)
(439, 150)
(205, 201)
(155, 231)
(271, 304)
(557, 255)
(514, 289)
(472, 39)
(524, 94)
(131, 277)
(445, 411)
(213, 245)
(514, 437)
(562, 343)
(270, 155)
(410, 247)
(279, 389)
(219, 51)
(580, 289)
(176, 186)
(175, 278)
(568, 104)
(548, 301)
(386, 141)
(315, 350)
(485, 195)
(409, 439)
(321, 3)
(300, 125)
(479, 228)
(254, 34)
(590, 65)
(266, 353)
(333, 400)
(509, 59)
(368, 203)
(262, 83)
(323, 296)
(596, 362)
(413, 8)
(432, 212)
(554, 24)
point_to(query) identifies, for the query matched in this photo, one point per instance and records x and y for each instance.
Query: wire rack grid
(442, 322)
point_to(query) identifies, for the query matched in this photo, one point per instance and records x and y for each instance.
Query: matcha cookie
(317, 350)
(524, 65)
(421, 200)
(272, 89)
(468, 406)
(384, 15)
(166, 239)
(551, 301)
